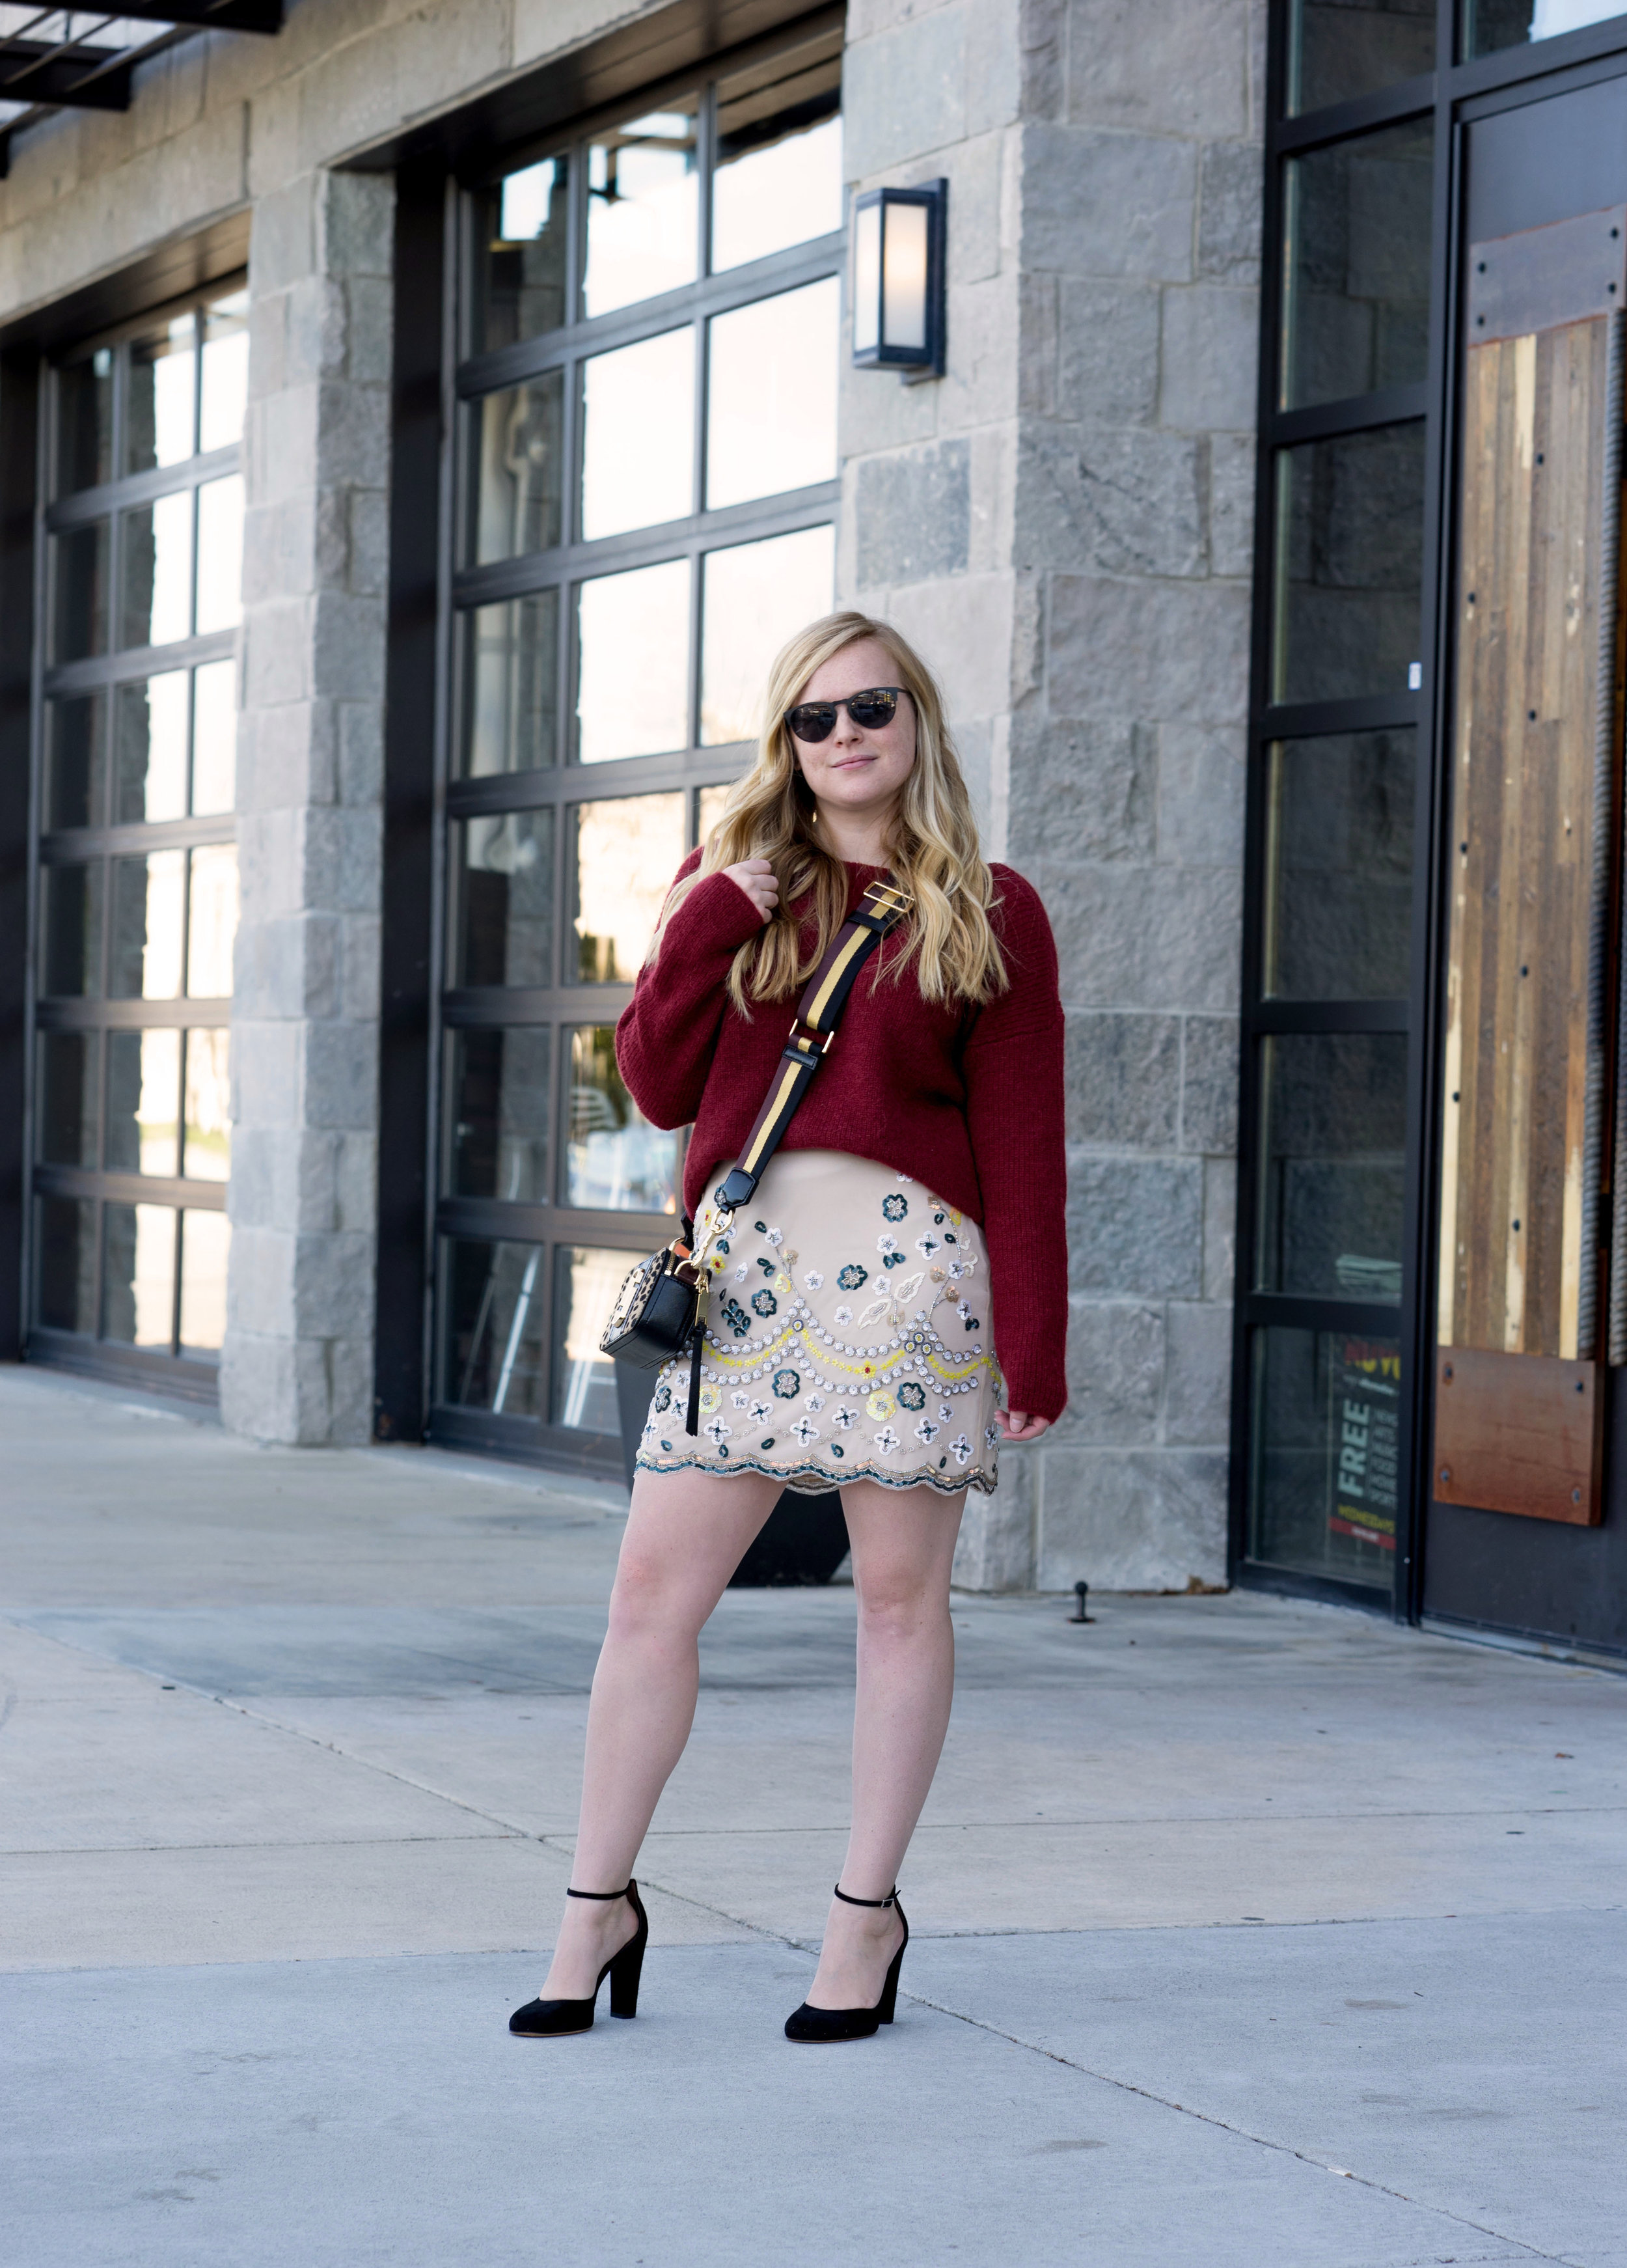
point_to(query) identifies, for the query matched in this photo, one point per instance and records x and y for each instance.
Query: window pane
(144, 1098)
(225, 370)
(160, 403)
(220, 555)
(1324, 1488)
(516, 438)
(638, 436)
(502, 925)
(85, 422)
(633, 663)
(76, 761)
(585, 1283)
(614, 1157)
(772, 403)
(492, 1298)
(623, 857)
(139, 1275)
(149, 897)
(205, 1244)
(206, 1107)
(1339, 867)
(756, 595)
(510, 692)
(1338, 48)
(214, 739)
(520, 274)
(67, 1227)
(642, 212)
(80, 592)
(69, 1101)
(779, 176)
(1489, 25)
(1356, 247)
(499, 1090)
(155, 572)
(1333, 1124)
(1349, 530)
(710, 804)
(71, 923)
(211, 922)
(150, 748)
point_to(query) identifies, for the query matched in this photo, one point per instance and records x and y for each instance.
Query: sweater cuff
(717, 914)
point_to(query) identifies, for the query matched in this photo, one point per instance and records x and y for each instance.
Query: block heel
(554, 2020)
(819, 2027)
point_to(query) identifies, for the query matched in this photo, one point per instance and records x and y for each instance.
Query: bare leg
(903, 1544)
(685, 1536)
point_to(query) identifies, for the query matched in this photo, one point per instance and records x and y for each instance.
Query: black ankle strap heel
(891, 1899)
(819, 2026)
(552, 2020)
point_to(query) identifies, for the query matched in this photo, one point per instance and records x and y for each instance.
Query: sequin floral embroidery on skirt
(848, 1337)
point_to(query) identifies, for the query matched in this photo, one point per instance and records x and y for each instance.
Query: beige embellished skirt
(848, 1337)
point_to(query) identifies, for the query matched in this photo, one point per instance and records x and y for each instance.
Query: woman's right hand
(756, 877)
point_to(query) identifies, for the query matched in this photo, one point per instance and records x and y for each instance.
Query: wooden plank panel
(1518, 1433)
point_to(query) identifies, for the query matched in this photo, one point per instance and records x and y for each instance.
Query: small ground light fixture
(898, 280)
(1081, 1592)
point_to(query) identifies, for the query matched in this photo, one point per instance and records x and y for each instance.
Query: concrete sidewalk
(1243, 1932)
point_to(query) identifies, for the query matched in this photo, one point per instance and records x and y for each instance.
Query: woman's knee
(652, 1597)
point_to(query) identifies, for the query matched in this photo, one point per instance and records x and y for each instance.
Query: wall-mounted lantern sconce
(898, 280)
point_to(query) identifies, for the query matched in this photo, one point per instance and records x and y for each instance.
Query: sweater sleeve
(667, 1034)
(1013, 1069)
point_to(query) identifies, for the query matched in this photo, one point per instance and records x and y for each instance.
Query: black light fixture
(898, 279)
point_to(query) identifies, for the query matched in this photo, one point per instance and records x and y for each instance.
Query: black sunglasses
(816, 720)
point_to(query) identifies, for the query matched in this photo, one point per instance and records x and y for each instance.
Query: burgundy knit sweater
(966, 1100)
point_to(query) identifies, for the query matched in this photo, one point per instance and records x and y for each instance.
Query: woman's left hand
(1017, 1425)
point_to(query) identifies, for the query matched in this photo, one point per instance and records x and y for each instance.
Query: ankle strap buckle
(891, 1899)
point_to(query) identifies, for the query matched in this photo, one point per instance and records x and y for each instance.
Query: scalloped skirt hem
(807, 1480)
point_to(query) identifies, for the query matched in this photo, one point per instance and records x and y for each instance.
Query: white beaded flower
(806, 1431)
(813, 1281)
(843, 1315)
(960, 1448)
(843, 1418)
(815, 1401)
(926, 1431)
(887, 1441)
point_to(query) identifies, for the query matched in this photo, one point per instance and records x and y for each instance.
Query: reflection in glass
(633, 663)
(225, 371)
(1348, 562)
(756, 595)
(1338, 914)
(160, 398)
(85, 422)
(150, 748)
(220, 553)
(1324, 1487)
(502, 898)
(778, 177)
(79, 591)
(155, 572)
(521, 229)
(1332, 1156)
(585, 1283)
(638, 435)
(149, 900)
(70, 924)
(614, 1157)
(69, 1097)
(1356, 248)
(623, 857)
(214, 739)
(211, 921)
(492, 1298)
(75, 761)
(511, 689)
(139, 1275)
(517, 437)
(771, 398)
(144, 1098)
(643, 235)
(206, 1107)
(1489, 25)
(67, 1264)
(205, 1247)
(499, 1090)
(1340, 48)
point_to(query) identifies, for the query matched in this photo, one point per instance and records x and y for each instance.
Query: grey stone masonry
(297, 1360)
(1064, 522)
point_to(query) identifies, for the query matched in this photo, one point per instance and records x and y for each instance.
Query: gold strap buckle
(888, 899)
(808, 1042)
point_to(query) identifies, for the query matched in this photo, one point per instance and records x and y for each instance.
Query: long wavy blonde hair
(932, 846)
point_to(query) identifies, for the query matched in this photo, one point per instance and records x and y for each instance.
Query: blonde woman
(909, 1226)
